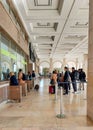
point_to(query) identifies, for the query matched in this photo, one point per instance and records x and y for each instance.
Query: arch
(57, 61)
(57, 64)
(46, 65)
(71, 64)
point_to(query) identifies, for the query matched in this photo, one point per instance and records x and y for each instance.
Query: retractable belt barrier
(73, 82)
(61, 115)
(68, 82)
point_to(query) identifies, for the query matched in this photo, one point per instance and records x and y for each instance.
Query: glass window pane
(5, 59)
(11, 58)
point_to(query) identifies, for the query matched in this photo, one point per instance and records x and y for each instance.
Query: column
(51, 65)
(85, 63)
(77, 63)
(30, 67)
(64, 63)
(90, 64)
(37, 66)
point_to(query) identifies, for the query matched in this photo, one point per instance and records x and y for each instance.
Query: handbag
(52, 81)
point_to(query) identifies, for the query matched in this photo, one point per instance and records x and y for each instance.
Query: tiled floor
(38, 111)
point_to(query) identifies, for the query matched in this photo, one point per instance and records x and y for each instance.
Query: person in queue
(73, 79)
(33, 74)
(13, 80)
(54, 78)
(66, 80)
(20, 77)
(82, 79)
(29, 76)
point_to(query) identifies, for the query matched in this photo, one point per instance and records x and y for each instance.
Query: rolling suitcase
(52, 89)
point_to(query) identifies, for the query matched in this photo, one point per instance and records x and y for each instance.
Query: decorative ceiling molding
(43, 2)
(80, 25)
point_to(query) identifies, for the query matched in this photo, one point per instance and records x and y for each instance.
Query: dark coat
(82, 76)
(33, 75)
(66, 76)
(13, 80)
(73, 75)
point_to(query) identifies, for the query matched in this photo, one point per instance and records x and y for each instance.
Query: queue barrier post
(56, 91)
(61, 115)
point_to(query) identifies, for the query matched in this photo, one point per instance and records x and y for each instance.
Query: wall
(90, 64)
(7, 24)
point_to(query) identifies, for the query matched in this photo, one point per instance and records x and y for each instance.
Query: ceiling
(57, 28)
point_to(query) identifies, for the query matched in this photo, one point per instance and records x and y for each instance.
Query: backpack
(24, 77)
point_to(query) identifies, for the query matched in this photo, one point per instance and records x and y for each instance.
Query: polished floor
(38, 111)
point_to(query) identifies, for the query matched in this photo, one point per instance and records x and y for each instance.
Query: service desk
(4, 91)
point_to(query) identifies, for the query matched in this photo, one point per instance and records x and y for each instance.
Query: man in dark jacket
(73, 79)
(82, 78)
(66, 80)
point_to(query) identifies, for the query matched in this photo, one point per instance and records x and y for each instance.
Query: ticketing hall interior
(45, 35)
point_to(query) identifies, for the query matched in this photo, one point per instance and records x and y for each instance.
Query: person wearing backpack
(82, 79)
(20, 77)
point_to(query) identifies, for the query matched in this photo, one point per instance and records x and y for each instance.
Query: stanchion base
(60, 116)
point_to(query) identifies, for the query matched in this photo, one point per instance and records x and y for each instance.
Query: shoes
(65, 93)
(75, 92)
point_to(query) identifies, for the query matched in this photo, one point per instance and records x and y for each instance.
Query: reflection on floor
(38, 111)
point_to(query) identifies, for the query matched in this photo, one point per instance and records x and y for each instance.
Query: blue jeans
(74, 84)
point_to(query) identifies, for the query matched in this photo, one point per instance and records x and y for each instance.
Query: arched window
(44, 68)
(71, 64)
(57, 65)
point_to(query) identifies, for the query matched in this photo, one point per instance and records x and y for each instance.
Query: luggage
(36, 87)
(52, 89)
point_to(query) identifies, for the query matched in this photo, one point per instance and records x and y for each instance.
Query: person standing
(73, 79)
(53, 81)
(69, 80)
(20, 77)
(29, 76)
(33, 74)
(82, 78)
(66, 80)
(54, 78)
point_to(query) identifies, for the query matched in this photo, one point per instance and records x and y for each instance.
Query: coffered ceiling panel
(42, 4)
(57, 28)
